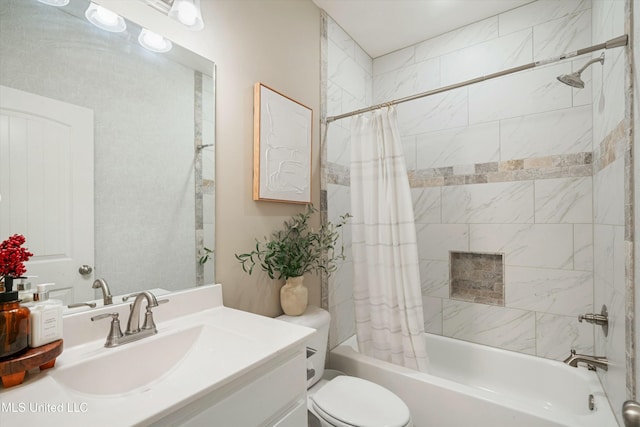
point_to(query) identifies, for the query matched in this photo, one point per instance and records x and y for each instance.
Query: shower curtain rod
(615, 42)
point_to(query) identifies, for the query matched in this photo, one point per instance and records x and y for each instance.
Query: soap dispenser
(14, 322)
(46, 317)
(25, 294)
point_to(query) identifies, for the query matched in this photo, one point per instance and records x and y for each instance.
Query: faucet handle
(597, 319)
(115, 332)
(82, 304)
(601, 319)
(104, 316)
(148, 317)
(126, 297)
(148, 321)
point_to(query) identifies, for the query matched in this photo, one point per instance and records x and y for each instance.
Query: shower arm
(619, 41)
(584, 67)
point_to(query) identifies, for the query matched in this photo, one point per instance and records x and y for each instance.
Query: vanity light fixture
(58, 3)
(154, 42)
(105, 19)
(188, 13)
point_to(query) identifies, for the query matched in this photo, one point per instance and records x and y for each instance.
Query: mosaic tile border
(625, 130)
(612, 147)
(199, 208)
(325, 171)
(617, 144)
(561, 166)
(338, 174)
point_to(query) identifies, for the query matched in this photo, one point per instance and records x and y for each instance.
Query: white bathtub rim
(590, 378)
(552, 414)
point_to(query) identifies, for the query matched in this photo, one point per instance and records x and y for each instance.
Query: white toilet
(340, 400)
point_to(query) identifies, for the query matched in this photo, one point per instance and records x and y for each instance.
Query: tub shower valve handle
(597, 319)
(601, 319)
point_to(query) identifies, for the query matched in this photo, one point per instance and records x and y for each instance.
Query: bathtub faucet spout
(592, 362)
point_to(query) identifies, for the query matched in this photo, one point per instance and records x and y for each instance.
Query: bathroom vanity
(207, 365)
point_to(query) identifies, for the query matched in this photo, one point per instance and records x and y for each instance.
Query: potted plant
(12, 259)
(293, 251)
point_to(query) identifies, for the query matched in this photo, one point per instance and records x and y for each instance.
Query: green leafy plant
(297, 248)
(208, 254)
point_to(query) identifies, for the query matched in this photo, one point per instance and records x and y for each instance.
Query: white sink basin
(201, 349)
(130, 367)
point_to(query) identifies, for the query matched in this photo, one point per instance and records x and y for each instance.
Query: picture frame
(282, 147)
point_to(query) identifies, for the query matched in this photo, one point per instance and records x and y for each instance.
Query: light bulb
(58, 3)
(105, 19)
(106, 16)
(187, 12)
(153, 42)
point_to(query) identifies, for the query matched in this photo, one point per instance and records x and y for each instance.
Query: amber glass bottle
(14, 323)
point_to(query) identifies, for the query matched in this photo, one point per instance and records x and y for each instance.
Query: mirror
(153, 149)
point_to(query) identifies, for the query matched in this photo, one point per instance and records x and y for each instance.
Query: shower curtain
(386, 287)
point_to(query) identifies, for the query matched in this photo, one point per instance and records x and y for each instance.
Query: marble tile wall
(347, 71)
(508, 164)
(501, 166)
(520, 165)
(612, 207)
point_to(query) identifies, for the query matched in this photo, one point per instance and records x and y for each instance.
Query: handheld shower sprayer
(574, 79)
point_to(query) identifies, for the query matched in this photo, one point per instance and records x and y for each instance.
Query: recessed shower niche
(477, 277)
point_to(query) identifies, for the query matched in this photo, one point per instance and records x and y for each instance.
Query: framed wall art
(282, 147)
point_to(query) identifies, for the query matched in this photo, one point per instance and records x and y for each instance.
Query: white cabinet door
(46, 188)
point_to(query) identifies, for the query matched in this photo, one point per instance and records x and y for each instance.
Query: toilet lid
(361, 403)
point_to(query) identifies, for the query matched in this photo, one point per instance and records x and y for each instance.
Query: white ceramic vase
(294, 296)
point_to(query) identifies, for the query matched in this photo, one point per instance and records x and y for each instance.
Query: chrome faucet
(592, 362)
(106, 293)
(133, 325)
(134, 332)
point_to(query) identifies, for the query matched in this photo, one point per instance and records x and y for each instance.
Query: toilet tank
(318, 319)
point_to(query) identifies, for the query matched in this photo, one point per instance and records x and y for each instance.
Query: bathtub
(475, 385)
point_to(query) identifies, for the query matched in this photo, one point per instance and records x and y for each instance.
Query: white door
(46, 188)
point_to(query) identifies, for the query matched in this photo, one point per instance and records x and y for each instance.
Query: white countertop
(223, 344)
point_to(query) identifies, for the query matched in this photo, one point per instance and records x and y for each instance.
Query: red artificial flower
(13, 256)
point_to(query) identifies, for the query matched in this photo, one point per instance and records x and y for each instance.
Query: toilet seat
(353, 402)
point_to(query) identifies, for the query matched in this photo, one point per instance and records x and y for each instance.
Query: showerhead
(574, 79)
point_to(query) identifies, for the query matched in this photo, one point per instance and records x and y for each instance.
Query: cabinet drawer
(266, 394)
